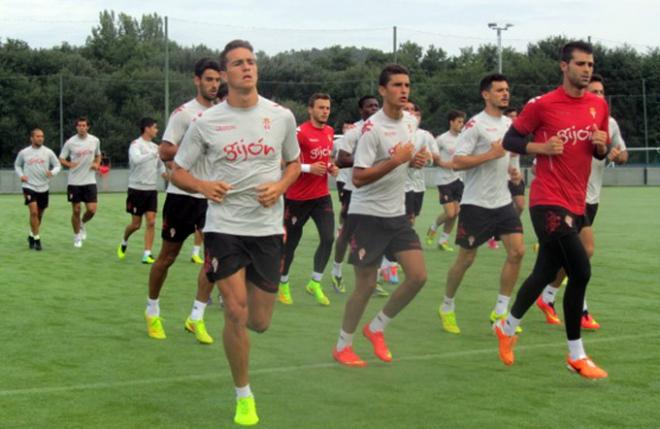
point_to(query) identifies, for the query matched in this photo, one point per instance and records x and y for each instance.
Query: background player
(517, 188)
(416, 183)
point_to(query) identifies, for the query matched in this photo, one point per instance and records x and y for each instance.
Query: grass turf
(75, 353)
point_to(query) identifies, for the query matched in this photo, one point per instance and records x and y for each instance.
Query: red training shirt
(561, 180)
(315, 145)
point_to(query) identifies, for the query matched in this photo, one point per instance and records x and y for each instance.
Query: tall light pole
(499, 28)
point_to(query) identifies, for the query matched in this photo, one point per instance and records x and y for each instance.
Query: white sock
(336, 269)
(444, 237)
(448, 305)
(317, 276)
(124, 242)
(36, 237)
(510, 325)
(31, 235)
(345, 340)
(147, 252)
(434, 227)
(384, 263)
(584, 303)
(576, 349)
(502, 304)
(197, 312)
(243, 392)
(153, 309)
(380, 322)
(284, 279)
(549, 294)
(196, 250)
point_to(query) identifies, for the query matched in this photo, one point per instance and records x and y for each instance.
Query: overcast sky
(280, 25)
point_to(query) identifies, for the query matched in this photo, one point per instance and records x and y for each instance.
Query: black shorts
(553, 222)
(477, 224)
(344, 199)
(451, 192)
(31, 196)
(371, 237)
(261, 256)
(414, 202)
(182, 215)
(139, 202)
(590, 212)
(297, 213)
(81, 193)
(517, 190)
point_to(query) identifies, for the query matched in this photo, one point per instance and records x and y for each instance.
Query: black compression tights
(567, 252)
(325, 224)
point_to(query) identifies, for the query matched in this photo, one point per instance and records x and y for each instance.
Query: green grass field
(74, 351)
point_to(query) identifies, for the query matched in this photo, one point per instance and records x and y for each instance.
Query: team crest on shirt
(172, 232)
(592, 110)
(362, 253)
(267, 124)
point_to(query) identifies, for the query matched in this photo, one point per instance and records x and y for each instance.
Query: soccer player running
(250, 142)
(486, 207)
(367, 106)
(377, 224)
(35, 165)
(81, 154)
(183, 212)
(309, 197)
(517, 187)
(619, 155)
(416, 184)
(450, 186)
(145, 166)
(570, 126)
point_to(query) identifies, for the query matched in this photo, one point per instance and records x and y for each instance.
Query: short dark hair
(223, 91)
(566, 53)
(81, 119)
(389, 71)
(34, 130)
(234, 44)
(597, 78)
(318, 96)
(509, 110)
(416, 107)
(487, 82)
(364, 99)
(146, 123)
(455, 114)
(204, 64)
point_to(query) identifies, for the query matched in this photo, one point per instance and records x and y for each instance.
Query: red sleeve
(605, 122)
(528, 120)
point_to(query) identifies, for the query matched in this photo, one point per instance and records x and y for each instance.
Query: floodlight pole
(499, 28)
(167, 74)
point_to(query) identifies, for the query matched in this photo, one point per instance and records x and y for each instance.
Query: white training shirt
(82, 151)
(446, 144)
(486, 185)
(415, 181)
(598, 165)
(380, 135)
(245, 148)
(35, 163)
(346, 174)
(144, 165)
(176, 128)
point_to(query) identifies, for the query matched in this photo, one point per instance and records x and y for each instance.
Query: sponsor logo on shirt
(222, 128)
(320, 152)
(33, 161)
(83, 152)
(241, 150)
(572, 134)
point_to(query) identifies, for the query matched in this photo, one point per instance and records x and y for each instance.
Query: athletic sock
(502, 304)
(549, 294)
(196, 250)
(147, 252)
(444, 237)
(153, 309)
(576, 349)
(124, 243)
(510, 325)
(243, 392)
(197, 312)
(345, 340)
(380, 322)
(31, 234)
(448, 305)
(284, 279)
(384, 263)
(36, 237)
(434, 227)
(317, 276)
(336, 269)
(584, 303)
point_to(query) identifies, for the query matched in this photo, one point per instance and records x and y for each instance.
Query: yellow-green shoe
(197, 259)
(246, 412)
(121, 252)
(198, 327)
(449, 321)
(284, 295)
(564, 282)
(314, 288)
(155, 327)
(494, 317)
(380, 291)
(430, 236)
(444, 246)
(148, 259)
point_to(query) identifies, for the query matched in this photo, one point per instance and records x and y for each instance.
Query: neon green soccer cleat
(148, 259)
(494, 317)
(314, 288)
(198, 327)
(284, 295)
(430, 236)
(338, 284)
(449, 322)
(246, 412)
(121, 252)
(155, 327)
(444, 246)
(197, 259)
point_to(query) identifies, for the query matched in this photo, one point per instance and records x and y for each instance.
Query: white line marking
(329, 364)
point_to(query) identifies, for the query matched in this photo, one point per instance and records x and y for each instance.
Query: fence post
(61, 112)
(646, 122)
